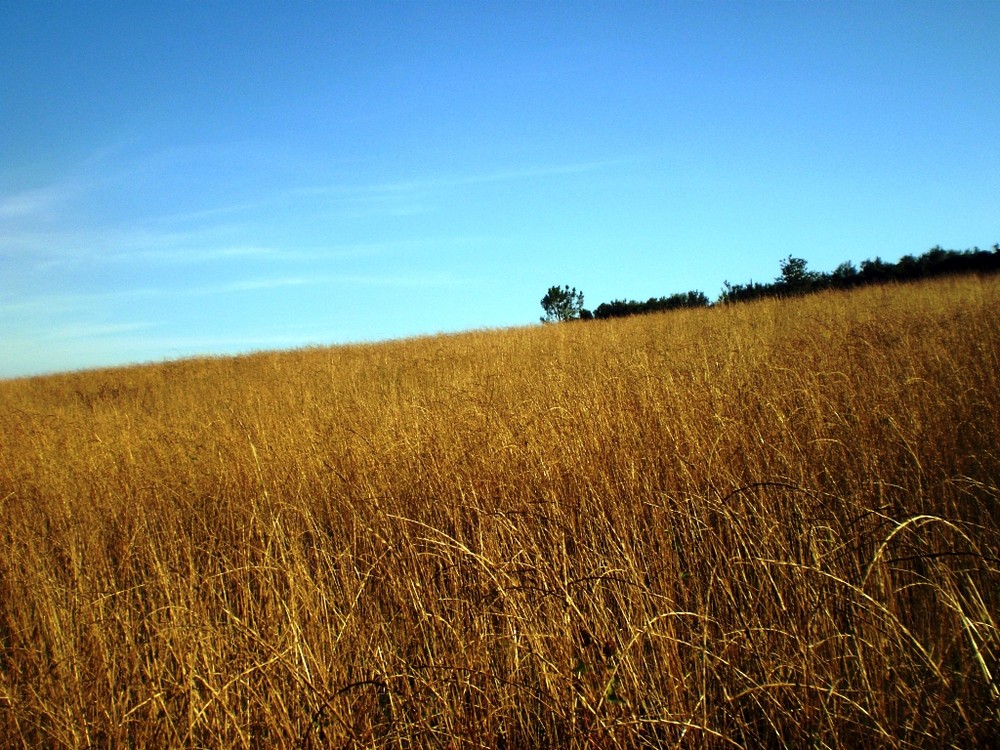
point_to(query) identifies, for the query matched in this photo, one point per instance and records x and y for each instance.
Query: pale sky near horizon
(181, 178)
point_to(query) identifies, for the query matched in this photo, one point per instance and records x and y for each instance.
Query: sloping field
(772, 524)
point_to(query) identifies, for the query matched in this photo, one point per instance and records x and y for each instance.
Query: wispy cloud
(423, 194)
(83, 330)
(44, 249)
(115, 244)
(371, 280)
(36, 203)
(441, 182)
(150, 248)
(64, 303)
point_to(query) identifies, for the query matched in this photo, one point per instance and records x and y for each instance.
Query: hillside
(767, 524)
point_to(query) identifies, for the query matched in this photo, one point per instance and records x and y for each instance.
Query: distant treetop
(562, 303)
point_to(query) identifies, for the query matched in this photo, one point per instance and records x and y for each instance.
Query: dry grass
(769, 525)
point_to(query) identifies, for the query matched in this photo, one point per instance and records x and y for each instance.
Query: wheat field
(774, 524)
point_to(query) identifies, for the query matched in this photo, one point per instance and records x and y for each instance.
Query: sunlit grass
(772, 524)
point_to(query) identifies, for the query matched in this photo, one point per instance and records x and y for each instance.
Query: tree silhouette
(561, 303)
(795, 279)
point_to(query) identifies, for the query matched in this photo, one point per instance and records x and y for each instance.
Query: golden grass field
(766, 525)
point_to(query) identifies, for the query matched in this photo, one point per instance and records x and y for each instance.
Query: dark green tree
(794, 278)
(561, 303)
(843, 276)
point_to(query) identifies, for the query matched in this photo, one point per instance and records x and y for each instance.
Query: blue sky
(183, 178)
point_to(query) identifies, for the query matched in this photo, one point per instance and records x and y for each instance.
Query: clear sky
(180, 178)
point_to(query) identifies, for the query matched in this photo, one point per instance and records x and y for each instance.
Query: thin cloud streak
(35, 203)
(459, 180)
(81, 331)
(44, 250)
(70, 302)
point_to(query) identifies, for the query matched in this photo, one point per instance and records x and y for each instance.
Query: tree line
(565, 303)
